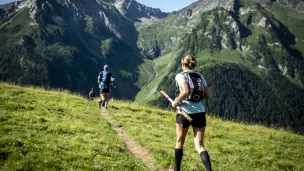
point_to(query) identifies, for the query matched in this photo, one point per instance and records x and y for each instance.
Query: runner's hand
(174, 104)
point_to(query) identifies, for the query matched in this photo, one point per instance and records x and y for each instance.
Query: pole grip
(177, 107)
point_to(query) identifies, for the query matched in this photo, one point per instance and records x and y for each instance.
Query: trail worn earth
(137, 150)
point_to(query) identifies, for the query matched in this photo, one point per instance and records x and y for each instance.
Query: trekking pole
(177, 107)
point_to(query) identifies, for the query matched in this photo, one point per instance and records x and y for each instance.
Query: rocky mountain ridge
(9, 5)
(295, 5)
(138, 12)
(251, 52)
(66, 43)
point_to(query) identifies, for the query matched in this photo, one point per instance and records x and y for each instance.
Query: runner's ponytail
(189, 61)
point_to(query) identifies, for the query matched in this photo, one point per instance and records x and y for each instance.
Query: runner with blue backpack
(192, 89)
(105, 80)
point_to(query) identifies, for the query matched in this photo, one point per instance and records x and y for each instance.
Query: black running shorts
(105, 90)
(198, 120)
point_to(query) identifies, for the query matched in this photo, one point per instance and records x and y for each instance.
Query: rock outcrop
(135, 11)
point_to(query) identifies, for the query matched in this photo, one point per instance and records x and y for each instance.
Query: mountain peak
(207, 5)
(137, 12)
(294, 4)
(9, 5)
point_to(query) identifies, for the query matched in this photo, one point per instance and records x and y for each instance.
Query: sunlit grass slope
(232, 146)
(49, 130)
(45, 130)
(160, 65)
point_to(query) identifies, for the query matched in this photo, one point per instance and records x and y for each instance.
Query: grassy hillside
(160, 68)
(56, 130)
(43, 130)
(251, 54)
(64, 44)
(231, 146)
(293, 20)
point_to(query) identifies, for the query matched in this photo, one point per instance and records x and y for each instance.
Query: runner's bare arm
(207, 93)
(184, 91)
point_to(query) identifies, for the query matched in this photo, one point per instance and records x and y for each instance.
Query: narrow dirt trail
(136, 149)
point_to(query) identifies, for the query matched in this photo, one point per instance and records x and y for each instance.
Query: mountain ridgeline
(249, 51)
(64, 44)
(136, 11)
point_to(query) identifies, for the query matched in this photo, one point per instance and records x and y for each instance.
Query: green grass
(232, 146)
(161, 64)
(230, 56)
(56, 130)
(161, 31)
(293, 20)
(22, 19)
(49, 130)
(146, 72)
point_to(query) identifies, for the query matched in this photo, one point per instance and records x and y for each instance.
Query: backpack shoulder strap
(190, 83)
(100, 75)
(202, 78)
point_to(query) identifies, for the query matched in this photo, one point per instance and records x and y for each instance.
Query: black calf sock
(178, 158)
(99, 103)
(206, 160)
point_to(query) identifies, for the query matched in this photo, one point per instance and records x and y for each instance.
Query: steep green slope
(293, 21)
(160, 38)
(66, 43)
(56, 130)
(159, 69)
(250, 58)
(231, 146)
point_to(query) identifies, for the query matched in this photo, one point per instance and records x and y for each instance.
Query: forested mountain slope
(250, 52)
(65, 43)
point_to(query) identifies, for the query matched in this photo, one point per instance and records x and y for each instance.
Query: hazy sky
(164, 5)
(6, 1)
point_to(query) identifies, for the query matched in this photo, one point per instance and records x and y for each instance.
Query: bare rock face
(200, 6)
(94, 11)
(189, 12)
(300, 7)
(67, 36)
(9, 5)
(135, 11)
(294, 4)
(285, 2)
